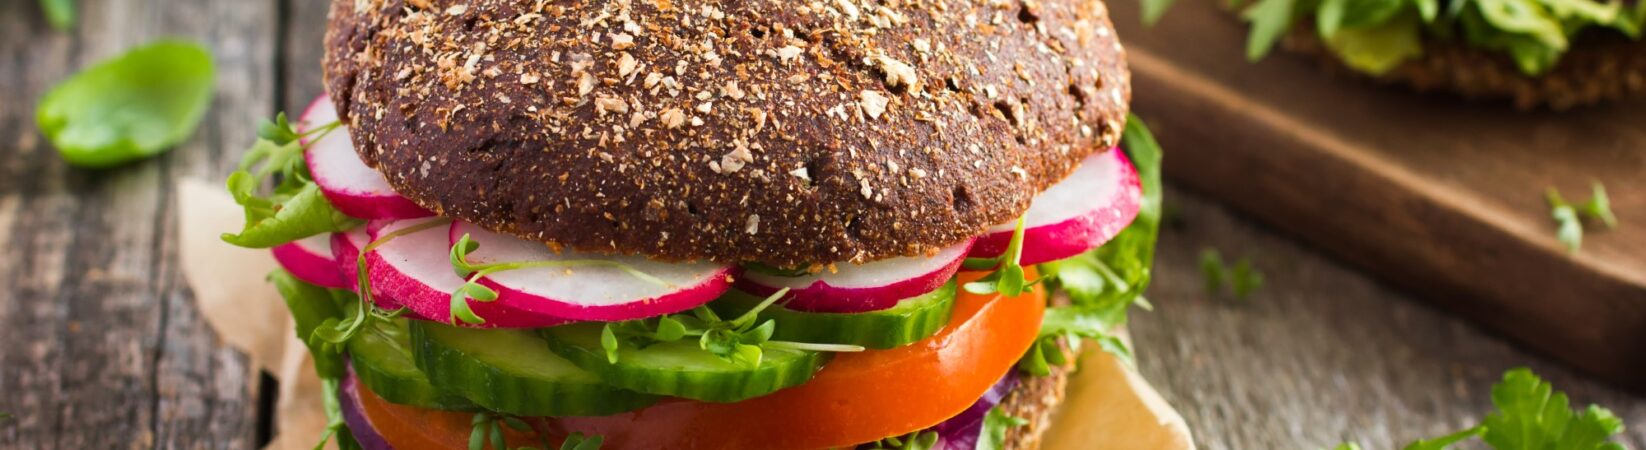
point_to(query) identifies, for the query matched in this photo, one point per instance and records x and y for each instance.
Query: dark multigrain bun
(782, 131)
(1600, 66)
(1035, 400)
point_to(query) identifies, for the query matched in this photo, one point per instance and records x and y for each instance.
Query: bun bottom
(1600, 67)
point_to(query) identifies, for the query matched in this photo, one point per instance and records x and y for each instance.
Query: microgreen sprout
(1008, 276)
(741, 340)
(295, 208)
(472, 273)
(1569, 217)
(918, 440)
(338, 332)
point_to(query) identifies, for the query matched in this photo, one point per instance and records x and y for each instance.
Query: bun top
(789, 132)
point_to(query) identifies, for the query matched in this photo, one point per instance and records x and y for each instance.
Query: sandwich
(1552, 53)
(641, 224)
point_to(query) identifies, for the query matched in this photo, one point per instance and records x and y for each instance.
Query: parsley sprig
(1531, 415)
(295, 208)
(1569, 217)
(741, 340)
(1103, 283)
(1008, 277)
(472, 273)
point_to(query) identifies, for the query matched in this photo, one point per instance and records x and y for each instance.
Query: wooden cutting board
(1430, 192)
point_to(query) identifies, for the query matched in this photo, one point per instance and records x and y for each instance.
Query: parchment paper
(1108, 405)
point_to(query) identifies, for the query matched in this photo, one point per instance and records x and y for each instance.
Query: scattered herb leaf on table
(131, 107)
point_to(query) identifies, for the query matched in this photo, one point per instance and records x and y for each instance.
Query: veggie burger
(692, 224)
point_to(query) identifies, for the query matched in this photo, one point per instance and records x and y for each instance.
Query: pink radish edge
(706, 288)
(820, 296)
(414, 270)
(309, 259)
(345, 250)
(1082, 231)
(345, 180)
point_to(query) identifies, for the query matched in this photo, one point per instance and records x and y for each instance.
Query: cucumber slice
(513, 372)
(681, 368)
(911, 320)
(382, 359)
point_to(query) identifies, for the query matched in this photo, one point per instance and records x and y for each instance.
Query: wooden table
(103, 349)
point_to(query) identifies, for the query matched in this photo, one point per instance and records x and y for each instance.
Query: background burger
(1556, 53)
(672, 224)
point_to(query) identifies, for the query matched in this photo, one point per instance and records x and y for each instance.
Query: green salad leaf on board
(1531, 415)
(134, 106)
(1375, 36)
(59, 13)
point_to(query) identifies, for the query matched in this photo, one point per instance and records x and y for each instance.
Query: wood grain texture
(1439, 195)
(103, 349)
(1321, 354)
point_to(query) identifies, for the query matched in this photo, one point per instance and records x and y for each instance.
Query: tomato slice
(856, 398)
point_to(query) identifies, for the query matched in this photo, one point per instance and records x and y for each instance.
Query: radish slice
(345, 250)
(590, 292)
(353, 187)
(1077, 214)
(872, 286)
(415, 271)
(310, 260)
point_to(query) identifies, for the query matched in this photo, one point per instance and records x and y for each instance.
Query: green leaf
(1347, 446)
(305, 213)
(1270, 20)
(1154, 9)
(131, 107)
(59, 13)
(311, 307)
(1335, 15)
(577, 441)
(1245, 279)
(608, 342)
(1445, 442)
(995, 425)
(1212, 270)
(1531, 415)
(1380, 47)
(1599, 206)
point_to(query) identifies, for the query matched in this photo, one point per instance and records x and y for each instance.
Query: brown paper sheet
(1108, 405)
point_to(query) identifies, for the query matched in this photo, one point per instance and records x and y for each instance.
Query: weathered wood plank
(103, 347)
(1430, 192)
(1321, 354)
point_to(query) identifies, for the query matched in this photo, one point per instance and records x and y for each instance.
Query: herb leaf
(742, 340)
(1569, 218)
(59, 13)
(995, 424)
(131, 107)
(295, 208)
(1532, 415)
(312, 307)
